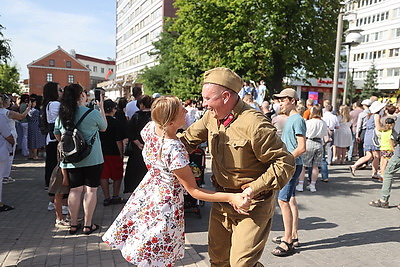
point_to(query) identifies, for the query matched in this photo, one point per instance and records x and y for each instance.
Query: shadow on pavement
(384, 235)
(309, 223)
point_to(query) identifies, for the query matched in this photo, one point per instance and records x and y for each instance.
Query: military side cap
(224, 77)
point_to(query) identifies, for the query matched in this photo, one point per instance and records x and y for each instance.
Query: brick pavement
(337, 227)
(28, 236)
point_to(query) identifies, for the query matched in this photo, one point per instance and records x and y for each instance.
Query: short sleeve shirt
(295, 125)
(89, 127)
(5, 131)
(110, 137)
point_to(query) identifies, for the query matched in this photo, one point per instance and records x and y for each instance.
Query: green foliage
(9, 77)
(259, 39)
(370, 86)
(5, 49)
(351, 89)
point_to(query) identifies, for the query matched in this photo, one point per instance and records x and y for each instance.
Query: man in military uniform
(246, 155)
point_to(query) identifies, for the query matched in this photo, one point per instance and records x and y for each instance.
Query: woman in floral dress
(149, 231)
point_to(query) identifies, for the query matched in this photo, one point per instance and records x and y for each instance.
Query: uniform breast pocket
(235, 153)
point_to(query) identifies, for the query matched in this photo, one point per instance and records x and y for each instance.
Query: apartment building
(139, 23)
(379, 21)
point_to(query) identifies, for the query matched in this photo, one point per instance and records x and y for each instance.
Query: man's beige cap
(288, 92)
(225, 77)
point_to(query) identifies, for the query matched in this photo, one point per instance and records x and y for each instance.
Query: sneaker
(65, 210)
(299, 188)
(312, 188)
(62, 224)
(8, 180)
(50, 206)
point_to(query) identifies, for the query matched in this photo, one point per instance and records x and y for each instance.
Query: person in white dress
(316, 135)
(12, 116)
(149, 231)
(342, 136)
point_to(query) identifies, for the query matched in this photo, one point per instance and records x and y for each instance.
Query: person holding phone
(84, 176)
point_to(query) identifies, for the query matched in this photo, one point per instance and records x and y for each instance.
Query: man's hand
(241, 203)
(247, 190)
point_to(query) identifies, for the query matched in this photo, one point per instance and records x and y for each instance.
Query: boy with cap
(112, 148)
(248, 156)
(293, 135)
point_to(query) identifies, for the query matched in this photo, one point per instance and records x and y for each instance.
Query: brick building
(57, 66)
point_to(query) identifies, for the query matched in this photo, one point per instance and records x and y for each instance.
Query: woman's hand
(138, 144)
(241, 203)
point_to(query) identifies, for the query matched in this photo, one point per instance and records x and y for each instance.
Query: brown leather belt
(260, 196)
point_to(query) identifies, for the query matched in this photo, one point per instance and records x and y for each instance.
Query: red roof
(108, 62)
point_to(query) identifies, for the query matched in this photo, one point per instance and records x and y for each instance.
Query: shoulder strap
(83, 117)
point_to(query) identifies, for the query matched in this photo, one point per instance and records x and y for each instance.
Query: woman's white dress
(149, 231)
(342, 136)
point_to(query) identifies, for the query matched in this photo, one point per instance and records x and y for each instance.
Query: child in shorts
(387, 146)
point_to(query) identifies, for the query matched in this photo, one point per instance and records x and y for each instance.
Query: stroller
(198, 165)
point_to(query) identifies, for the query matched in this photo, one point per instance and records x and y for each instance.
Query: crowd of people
(257, 148)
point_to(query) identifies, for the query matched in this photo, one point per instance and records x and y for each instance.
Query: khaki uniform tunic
(246, 151)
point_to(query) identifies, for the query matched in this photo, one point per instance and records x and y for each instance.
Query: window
(396, 12)
(52, 63)
(68, 64)
(70, 78)
(94, 68)
(394, 52)
(396, 32)
(393, 72)
(102, 70)
(49, 77)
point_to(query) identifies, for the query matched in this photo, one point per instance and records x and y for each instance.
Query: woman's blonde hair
(316, 112)
(165, 110)
(344, 110)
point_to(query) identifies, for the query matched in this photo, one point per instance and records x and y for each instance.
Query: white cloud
(36, 30)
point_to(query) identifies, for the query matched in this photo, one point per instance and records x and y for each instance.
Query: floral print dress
(149, 231)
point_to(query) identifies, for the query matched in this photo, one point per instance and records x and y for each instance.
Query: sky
(37, 27)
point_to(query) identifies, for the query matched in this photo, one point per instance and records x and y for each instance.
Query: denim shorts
(289, 190)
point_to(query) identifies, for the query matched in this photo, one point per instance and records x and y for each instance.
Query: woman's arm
(101, 109)
(377, 120)
(186, 178)
(19, 116)
(138, 144)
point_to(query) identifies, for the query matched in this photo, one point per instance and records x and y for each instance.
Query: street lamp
(339, 33)
(353, 38)
(345, 11)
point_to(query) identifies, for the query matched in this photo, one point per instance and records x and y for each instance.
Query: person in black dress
(136, 168)
(120, 114)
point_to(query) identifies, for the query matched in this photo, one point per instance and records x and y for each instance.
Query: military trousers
(238, 240)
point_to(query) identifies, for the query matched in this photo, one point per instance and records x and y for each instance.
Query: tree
(9, 77)
(370, 86)
(158, 79)
(5, 49)
(259, 39)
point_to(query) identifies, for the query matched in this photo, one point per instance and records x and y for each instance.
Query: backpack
(73, 146)
(45, 127)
